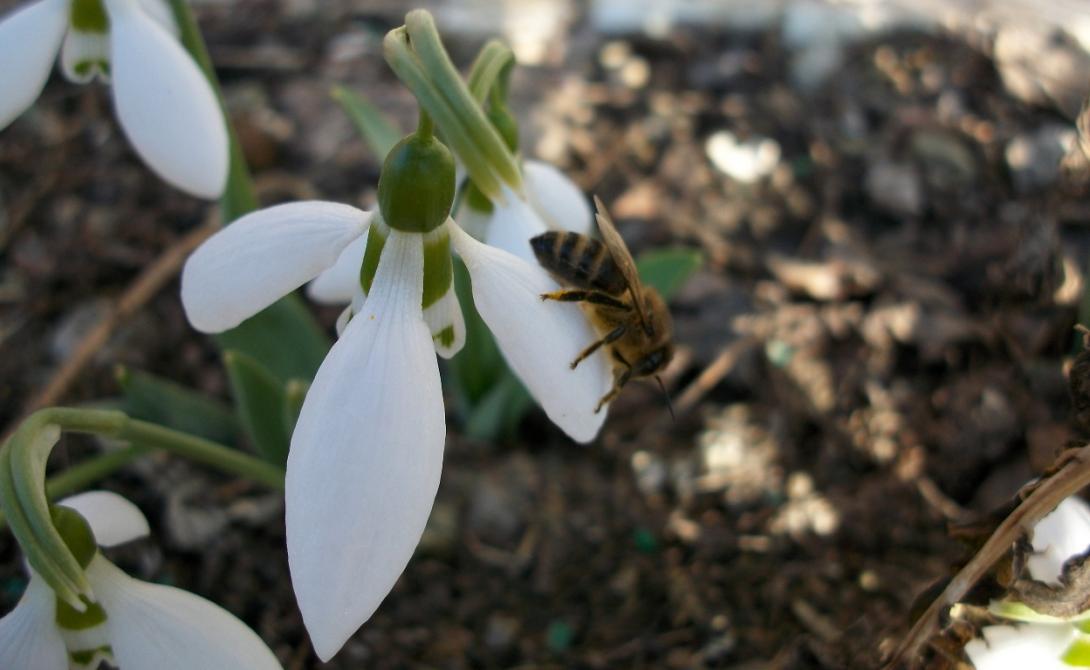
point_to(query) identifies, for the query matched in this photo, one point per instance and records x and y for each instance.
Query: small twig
(713, 374)
(142, 289)
(1068, 480)
(945, 505)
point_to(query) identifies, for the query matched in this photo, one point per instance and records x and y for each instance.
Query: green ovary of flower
(76, 533)
(68, 618)
(90, 16)
(416, 188)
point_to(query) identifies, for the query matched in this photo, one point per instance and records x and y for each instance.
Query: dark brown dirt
(904, 367)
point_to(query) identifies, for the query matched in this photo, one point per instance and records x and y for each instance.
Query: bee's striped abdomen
(579, 261)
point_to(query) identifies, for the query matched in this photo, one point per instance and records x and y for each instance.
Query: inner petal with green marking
(85, 54)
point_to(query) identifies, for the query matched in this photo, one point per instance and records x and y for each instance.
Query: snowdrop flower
(367, 451)
(1042, 644)
(165, 105)
(131, 624)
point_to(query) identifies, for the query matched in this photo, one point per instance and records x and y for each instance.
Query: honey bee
(631, 319)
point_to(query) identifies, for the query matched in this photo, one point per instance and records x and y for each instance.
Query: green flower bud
(76, 533)
(89, 16)
(416, 188)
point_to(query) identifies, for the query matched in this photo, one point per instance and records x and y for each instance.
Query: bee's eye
(653, 361)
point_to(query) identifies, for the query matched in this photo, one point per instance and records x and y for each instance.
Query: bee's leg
(618, 382)
(611, 336)
(593, 297)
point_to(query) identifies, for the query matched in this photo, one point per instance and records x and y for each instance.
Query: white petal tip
(113, 519)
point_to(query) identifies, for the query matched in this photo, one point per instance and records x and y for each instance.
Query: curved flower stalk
(165, 105)
(366, 453)
(130, 624)
(1042, 642)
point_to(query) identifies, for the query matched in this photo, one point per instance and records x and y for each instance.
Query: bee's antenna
(666, 395)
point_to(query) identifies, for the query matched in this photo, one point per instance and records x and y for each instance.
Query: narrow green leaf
(500, 411)
(151, 398)
(479, 365)
(295, 392)
(284, 337)
(377, 131)
(259, 399)
(491, 399)
(668, 269)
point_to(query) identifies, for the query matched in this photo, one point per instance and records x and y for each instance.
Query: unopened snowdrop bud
(416, 189)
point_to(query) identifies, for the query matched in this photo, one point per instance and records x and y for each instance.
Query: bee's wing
(622, 257)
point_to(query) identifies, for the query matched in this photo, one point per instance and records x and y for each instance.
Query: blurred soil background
(874, 348)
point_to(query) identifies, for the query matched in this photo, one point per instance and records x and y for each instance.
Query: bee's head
(655, 361)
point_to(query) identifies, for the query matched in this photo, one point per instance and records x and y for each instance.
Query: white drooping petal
(366, 455)
(1063, 533)
(263, 256)
(1036, 646)
(162, 627)
(161, 13)
(113, 519)
(447, 326)
(29, 40)
(538, 338)
(164, 103)
(512, 225)
(342, 320)
(28, 635)
(338, 284)
(85, 55)
(556, 198)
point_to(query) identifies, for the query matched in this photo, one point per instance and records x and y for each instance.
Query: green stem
(204, 451)
(79, 476)
(490, 71)
(441, 71)
(239, 197)
(409, 70)
(425, 128)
